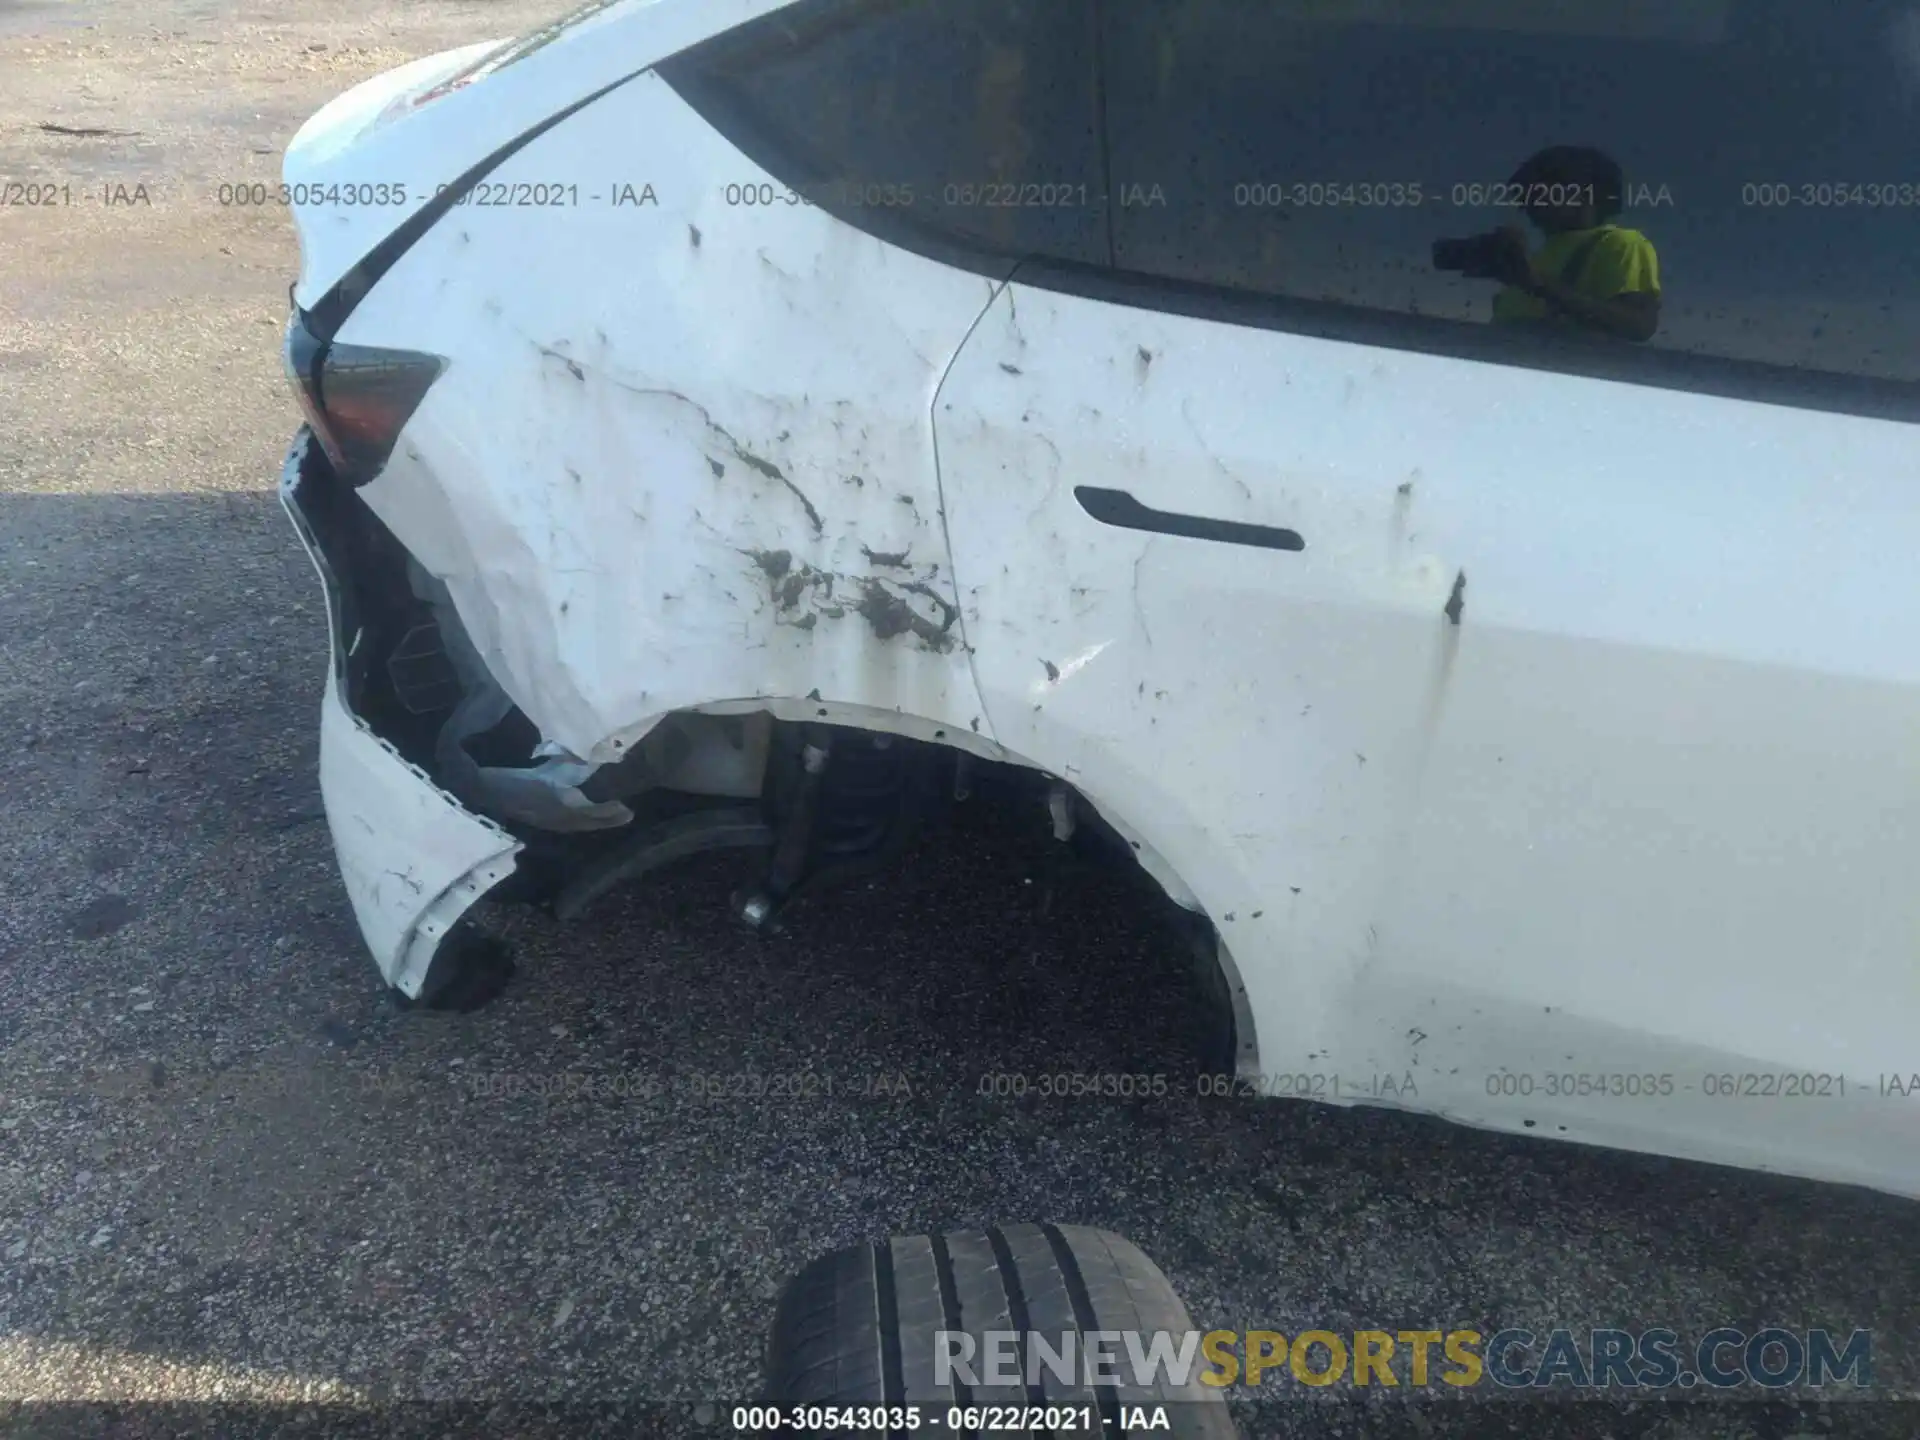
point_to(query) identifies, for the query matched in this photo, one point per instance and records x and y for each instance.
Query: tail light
(357, 398)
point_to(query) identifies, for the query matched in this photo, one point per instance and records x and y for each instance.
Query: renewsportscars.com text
(1601, 1358)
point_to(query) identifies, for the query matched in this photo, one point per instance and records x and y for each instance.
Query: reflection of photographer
(1587, 272)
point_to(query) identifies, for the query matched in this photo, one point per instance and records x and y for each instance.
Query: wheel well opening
(946, 833)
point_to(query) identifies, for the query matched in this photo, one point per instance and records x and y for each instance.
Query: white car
(735, 422)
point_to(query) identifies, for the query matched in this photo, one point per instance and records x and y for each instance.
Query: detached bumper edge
(414, 859)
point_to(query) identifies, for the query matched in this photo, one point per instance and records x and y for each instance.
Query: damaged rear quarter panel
(682, 451)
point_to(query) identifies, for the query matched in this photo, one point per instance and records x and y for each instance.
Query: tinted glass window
(975, 119)
(1319, 148)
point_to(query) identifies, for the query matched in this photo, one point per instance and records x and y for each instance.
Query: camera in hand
(1478, 257)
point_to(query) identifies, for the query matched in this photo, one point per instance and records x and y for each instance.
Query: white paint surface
(1644, 813)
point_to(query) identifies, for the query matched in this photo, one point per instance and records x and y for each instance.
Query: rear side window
(1317, 149)
(975, 122)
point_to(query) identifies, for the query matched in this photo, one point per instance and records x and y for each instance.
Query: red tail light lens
(357, 398)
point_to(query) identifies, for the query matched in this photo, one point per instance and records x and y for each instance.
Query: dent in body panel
(623, 444)
(764, 468)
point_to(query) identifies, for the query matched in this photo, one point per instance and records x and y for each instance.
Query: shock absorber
(792, 851)
(856, 802)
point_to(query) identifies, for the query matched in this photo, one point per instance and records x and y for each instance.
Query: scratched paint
(677, 467)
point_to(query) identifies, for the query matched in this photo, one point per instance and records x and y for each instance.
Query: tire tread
(857, 1327)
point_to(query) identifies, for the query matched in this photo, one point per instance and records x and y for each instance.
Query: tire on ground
(858, 1328)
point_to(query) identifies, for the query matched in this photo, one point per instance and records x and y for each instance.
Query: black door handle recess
(1117, 507)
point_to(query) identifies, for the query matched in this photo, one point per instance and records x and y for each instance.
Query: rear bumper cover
(413, 858)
